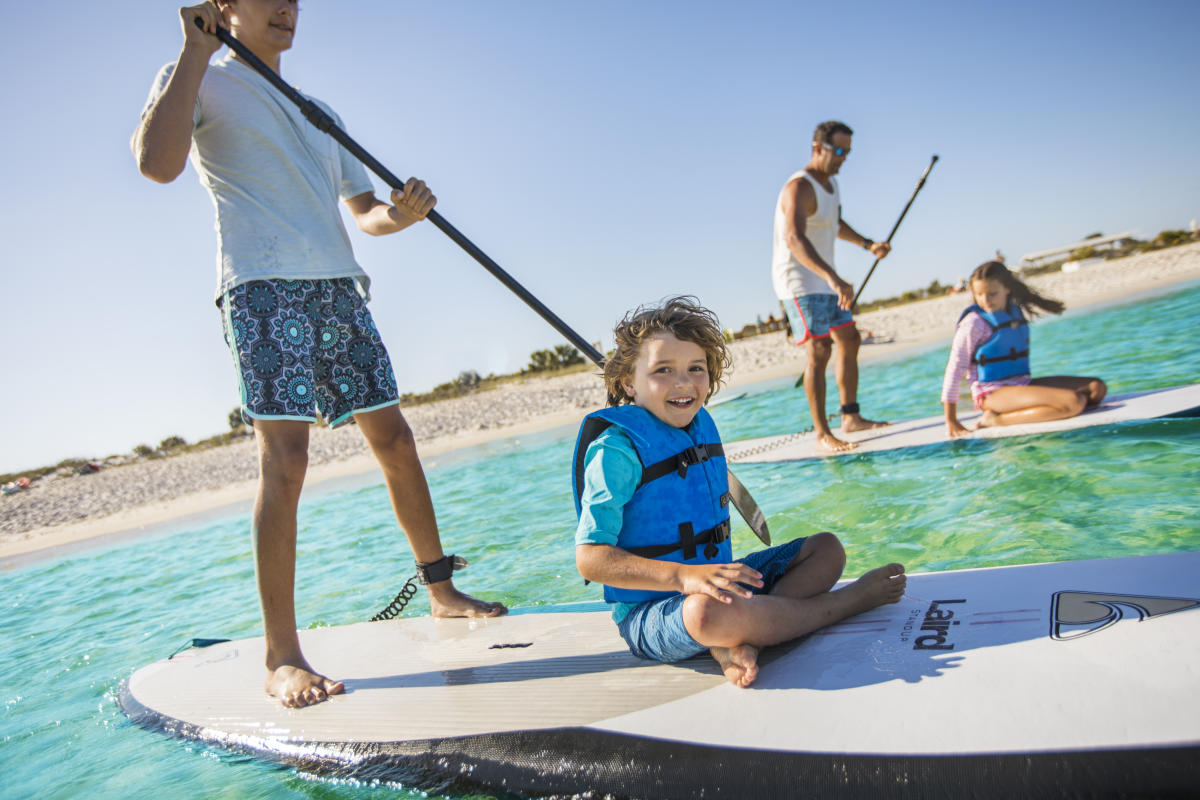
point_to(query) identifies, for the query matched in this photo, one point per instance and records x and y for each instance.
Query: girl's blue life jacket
(679, 511)
(1006, 353)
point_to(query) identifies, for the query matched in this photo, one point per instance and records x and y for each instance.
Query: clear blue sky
(605, 153)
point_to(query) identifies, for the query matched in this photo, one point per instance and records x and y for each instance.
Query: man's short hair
(828, 129)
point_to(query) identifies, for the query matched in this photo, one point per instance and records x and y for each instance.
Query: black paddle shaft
(324, 122)
(895, 227)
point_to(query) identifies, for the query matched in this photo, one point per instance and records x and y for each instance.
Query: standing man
(292, 300)
(808, 218)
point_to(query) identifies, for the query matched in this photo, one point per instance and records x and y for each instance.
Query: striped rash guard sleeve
(972, 331)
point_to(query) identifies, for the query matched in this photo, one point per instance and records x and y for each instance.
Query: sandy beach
(66, 511)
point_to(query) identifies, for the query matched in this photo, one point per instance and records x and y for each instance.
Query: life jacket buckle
(690, 457)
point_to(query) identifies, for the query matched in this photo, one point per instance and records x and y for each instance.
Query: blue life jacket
(1006, 353)
(679, 511)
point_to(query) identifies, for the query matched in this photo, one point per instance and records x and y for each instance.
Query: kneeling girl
(991, 347)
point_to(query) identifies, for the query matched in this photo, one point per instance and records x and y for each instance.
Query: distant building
(1059, 253)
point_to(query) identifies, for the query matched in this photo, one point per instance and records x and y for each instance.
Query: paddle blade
(749, 509)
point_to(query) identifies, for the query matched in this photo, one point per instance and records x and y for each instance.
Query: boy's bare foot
(740, 664)
(877, 587)
(852, 423)
(831, 444)
(446, 601)
(990, 419)
(299, 686)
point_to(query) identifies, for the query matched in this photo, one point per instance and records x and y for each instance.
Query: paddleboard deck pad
(1180, 401)
(1065, 678)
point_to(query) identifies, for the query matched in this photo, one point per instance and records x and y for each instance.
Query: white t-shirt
(789, 276)
(275, 180)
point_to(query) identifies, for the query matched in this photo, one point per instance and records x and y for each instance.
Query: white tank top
(790, 277)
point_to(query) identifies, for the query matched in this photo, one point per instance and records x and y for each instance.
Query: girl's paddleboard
(1066, 678)
(1177, 402)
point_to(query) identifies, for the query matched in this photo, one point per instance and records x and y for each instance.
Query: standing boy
(292, 299)
(808, 219)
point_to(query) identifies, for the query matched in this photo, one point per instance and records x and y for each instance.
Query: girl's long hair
(1018, 292)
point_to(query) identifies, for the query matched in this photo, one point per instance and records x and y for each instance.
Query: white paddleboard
(1178, 401)
(1064, 678)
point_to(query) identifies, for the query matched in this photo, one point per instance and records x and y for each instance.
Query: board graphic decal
(1077, 614)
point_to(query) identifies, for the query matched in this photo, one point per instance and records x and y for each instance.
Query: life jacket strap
(680, 462)
(688, 540)
(1013, 355)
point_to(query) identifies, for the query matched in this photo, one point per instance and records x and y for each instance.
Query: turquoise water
(76, 625)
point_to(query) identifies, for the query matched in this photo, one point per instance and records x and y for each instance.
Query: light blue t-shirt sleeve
(610, 477)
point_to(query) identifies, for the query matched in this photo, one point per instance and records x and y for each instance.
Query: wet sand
(137, 498)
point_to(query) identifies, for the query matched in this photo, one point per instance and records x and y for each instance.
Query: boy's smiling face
(670, 379)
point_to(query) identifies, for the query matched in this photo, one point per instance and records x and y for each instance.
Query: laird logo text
(937, 621)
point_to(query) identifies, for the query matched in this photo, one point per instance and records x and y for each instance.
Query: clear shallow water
(76, 626)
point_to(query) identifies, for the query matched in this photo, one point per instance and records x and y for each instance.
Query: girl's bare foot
(990, 419)
(877, 587)
(740, 664)
(832, 444)
(447, 601)
(852, 423)
(298, 686)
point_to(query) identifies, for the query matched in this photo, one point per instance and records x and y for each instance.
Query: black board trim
(585, 762)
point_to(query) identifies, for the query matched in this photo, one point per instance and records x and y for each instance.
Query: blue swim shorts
(655, 630)
(305, 346)
(815, 315)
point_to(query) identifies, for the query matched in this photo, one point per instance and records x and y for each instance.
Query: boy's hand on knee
(719, 581)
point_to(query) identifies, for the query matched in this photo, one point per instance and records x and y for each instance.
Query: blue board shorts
(654, 629)
(815, 315)
(303, 346)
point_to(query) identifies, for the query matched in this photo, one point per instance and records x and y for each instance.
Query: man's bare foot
(990, 419)
(740, 664)
(447, 601)
(299, 686)
(852, 423)
(877, 587)
(831, 444)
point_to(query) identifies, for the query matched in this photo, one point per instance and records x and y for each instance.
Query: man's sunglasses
(837, 151)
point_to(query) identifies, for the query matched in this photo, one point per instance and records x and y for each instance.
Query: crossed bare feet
(298, 685)
(875, 588)
(740, 664)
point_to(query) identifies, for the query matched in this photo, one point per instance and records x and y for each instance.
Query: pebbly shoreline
(57, 501)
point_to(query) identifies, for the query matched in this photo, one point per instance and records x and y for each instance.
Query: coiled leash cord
(433, 572)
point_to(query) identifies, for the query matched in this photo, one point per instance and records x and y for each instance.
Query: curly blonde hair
(681, 316)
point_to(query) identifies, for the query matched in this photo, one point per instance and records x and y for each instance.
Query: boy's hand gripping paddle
(741, 498)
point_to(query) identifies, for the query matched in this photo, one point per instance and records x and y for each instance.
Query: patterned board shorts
(303, 346)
